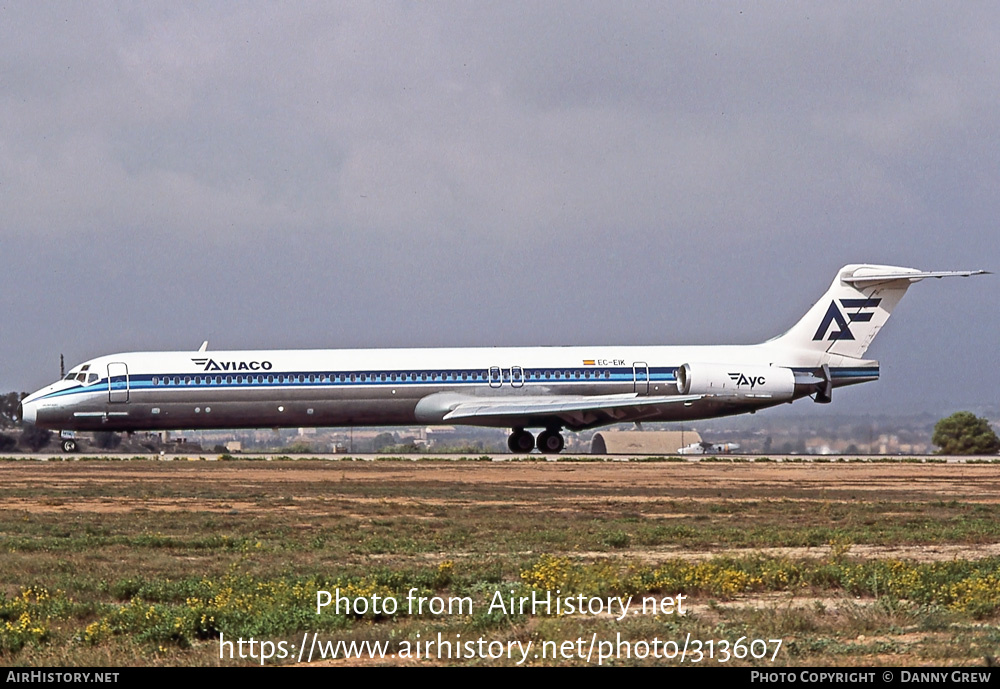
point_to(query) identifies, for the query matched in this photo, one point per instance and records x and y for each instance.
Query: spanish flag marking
(588, 362)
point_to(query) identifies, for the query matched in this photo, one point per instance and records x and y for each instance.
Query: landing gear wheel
(550, 442)
(520, 441)
(69, 445)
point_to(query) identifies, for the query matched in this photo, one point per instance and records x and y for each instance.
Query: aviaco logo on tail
(752, 381)
(835, 315)
(213, 365)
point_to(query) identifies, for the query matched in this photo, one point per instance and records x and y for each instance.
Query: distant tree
(7, 442)
(382, 441)
(8, 407)
(963, 433)
(35, 438)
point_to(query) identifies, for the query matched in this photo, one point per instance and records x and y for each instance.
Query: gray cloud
(405, 174)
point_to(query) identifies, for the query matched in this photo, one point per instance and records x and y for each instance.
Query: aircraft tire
(550, 442)
(520, 442)
(69, 445)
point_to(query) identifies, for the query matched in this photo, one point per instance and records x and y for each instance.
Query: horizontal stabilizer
(861, 278)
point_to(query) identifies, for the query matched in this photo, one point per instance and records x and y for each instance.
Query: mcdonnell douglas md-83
(547, 388)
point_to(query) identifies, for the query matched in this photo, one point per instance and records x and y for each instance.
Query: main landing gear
(550, 441)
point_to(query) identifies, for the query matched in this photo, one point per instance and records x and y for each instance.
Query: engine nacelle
(750, 383)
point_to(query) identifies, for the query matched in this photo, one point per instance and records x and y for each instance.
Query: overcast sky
(389, 174)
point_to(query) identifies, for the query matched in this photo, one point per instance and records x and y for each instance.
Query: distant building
(438, 434)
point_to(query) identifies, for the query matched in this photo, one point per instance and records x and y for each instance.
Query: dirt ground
(854, 480)
(75, 487)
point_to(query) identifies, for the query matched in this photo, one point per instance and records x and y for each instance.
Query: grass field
(145, 562)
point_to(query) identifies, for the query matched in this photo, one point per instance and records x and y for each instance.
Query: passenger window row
(395, 376)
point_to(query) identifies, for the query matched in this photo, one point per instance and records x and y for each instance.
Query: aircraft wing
(575, 412)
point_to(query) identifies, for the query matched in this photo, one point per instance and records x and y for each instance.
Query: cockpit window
(91, 378)
(79, 374)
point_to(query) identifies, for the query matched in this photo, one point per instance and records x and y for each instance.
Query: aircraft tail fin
(859, 302)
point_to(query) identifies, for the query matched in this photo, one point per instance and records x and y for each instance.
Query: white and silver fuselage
(259, 389)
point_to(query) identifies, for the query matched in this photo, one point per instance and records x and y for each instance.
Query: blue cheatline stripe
(845, 372)
(422, 377)
(854, 372)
